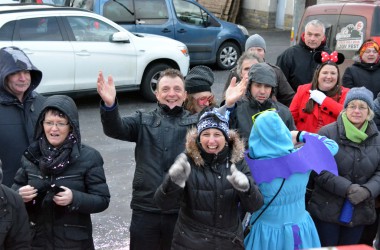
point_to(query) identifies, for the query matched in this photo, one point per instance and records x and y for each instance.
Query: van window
(189, 13)
(119, 11)
(348, 32)
(6, 31)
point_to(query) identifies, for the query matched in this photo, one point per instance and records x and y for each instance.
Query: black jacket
(18, 118)
(241, 116)
(297, 63)
(159, 139)
(357, 163)
(363, 74)
(64, 227)
(209, 215)
(14, 226)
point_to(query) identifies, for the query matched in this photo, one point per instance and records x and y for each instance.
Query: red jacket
(329, 109)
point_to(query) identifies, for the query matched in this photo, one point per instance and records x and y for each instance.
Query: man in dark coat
(297, 62)
(159, 136)
(19, 107)
(261, 81)
(14, 222)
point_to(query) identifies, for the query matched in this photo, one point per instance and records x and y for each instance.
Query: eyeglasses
(254, 117)
(205, 99)
(353, 107)
(58, 124)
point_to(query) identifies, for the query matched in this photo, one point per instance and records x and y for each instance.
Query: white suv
(70, 46)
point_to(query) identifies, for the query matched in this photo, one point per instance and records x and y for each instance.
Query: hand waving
(180, 170)
(238, 180)
(106, 90)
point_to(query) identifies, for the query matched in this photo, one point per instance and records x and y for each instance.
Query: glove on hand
(356, 194)
(317, 96)
(180, 170)
(238, 180)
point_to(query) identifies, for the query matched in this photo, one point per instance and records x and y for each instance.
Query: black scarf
(172, 112)
(54, 160)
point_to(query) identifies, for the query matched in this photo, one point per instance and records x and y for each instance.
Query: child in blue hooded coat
(282, 172)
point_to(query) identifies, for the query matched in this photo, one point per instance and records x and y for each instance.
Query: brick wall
(257, 19)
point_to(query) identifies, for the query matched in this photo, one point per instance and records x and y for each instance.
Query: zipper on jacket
(68, 176)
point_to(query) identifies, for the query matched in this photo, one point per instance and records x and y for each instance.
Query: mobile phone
(56, 189)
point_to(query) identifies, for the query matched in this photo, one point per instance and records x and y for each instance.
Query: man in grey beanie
(261, 83)
(255, 44)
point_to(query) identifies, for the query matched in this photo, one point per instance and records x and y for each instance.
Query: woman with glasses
(342, 205)
(319, 103)
(61, 180)
(366, 68)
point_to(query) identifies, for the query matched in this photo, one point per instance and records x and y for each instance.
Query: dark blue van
(208, 39)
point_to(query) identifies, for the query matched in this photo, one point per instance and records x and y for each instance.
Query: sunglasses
(204, 100)
(254, 117)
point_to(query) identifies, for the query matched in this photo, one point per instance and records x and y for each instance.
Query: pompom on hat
(360, 93)
(199, 79)
(255, 41)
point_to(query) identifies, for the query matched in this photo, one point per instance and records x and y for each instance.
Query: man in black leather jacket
(159, 136)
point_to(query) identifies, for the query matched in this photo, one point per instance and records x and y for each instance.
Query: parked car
(347, 26)
(209, 39)
(71, 45)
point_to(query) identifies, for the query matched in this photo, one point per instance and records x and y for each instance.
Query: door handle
(182, 31)
(166, 30)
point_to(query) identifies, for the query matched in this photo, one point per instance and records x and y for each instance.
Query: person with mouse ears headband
(319, 103)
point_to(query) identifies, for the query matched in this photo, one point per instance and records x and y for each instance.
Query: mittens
(357, 194)
(238, 180)
(180, 170)
(317, 96)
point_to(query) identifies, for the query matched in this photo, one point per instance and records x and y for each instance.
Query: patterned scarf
(54, 160)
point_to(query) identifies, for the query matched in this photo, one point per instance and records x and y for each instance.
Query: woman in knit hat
(211, 180)
(198, 84)
(319, 103)
(358, 183)
(282, 172)
(366, 68)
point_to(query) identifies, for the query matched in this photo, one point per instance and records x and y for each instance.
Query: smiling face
(56, 128)
(18, 83)
(171, 91)
(212, 140)
(370, 55)
(328, 77)
(357, 112)
(202, 100)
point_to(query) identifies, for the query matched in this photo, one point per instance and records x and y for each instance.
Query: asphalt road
(111, 227)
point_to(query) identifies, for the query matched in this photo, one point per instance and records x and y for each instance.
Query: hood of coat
(236, 146)
(67, 106)
(269, 138)
(12, 60)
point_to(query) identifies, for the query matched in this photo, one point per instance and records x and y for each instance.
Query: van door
(197, 29)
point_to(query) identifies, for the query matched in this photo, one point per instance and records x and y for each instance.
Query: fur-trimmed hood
(236, 145)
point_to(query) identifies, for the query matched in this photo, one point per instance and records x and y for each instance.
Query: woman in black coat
(210, 180)
(61, 181)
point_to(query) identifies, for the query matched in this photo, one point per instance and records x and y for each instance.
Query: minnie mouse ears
(324, 57)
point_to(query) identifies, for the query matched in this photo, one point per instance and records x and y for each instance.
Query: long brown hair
(335, 92)
(190, 103)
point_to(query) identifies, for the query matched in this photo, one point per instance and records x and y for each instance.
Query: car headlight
(243, 29)
(184, 50)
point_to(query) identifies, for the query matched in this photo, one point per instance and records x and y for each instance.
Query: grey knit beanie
(360, 93)
(262, 73)
(255, 41)
(199, 79)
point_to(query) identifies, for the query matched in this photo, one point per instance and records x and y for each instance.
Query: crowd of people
(290, 159)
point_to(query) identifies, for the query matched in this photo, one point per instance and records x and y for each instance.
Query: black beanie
(199, 79)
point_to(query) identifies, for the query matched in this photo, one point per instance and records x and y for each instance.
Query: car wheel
(149, 82)
(227, 56)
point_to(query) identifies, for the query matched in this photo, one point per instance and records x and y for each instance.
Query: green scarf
(352, 133)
